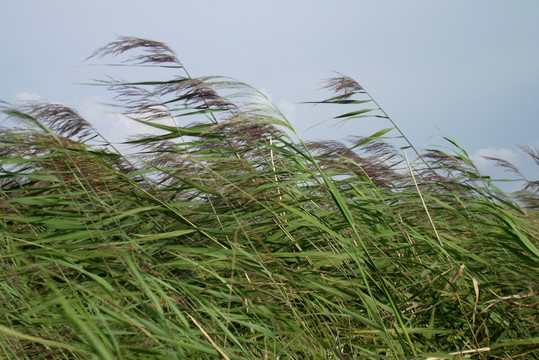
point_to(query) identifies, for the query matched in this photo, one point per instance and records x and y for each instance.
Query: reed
(226, 235)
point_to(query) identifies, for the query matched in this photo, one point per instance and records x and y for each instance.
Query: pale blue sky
(465, 69)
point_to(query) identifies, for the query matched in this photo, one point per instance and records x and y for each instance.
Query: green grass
(228, 236)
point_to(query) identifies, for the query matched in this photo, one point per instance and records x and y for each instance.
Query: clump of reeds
(228, 236)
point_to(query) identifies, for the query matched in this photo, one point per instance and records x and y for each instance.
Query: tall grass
(228, 236)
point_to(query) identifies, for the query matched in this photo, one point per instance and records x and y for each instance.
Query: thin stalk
(386, 116)
(422, 200)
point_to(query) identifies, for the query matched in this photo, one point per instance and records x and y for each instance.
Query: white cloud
(26, 96)
(500, 153)
(113, 126)
(289, 110)
(489, 168)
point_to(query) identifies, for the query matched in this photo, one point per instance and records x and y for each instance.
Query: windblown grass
(228, 236)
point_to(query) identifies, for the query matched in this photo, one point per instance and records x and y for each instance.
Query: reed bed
(225, 235)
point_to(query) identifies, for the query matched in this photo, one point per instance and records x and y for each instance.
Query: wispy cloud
(519, 159)
(24, 96)
(289, 110)
(483, 164)
(115, 127)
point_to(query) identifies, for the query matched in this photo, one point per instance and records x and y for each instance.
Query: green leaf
(354, 114)
(374, 136)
